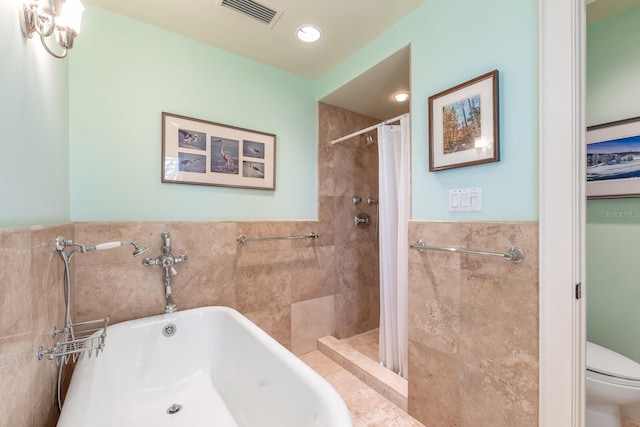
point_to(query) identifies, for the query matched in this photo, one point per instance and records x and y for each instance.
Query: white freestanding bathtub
(217, 369)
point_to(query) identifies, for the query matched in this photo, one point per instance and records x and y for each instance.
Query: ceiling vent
(262, 12)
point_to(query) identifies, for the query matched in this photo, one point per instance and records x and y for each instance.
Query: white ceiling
(371, 92)
(347, 26)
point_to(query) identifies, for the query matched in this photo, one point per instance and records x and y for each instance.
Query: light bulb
(401, 96)
(71, 15)
(308, 33)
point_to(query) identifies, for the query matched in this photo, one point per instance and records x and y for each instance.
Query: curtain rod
(360, 132)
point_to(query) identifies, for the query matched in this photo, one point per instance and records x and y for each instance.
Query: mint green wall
(613, 225)
(452, 42)
(34, 177)
(613, 290)
(120, 83)
(613, 61)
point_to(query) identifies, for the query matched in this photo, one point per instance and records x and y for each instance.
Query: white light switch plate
(465, 200)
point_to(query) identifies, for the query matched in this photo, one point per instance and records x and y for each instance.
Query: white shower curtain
(393, 155)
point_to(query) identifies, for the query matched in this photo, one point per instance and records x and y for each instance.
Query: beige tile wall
(345, 170)
(31, 304)
(259, 279)
(473, 334)
(297, 290)
(473, 326)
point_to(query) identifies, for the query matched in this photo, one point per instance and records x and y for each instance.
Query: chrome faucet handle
(166, 260)
(180, 258)
(148, 261)
(166, 242)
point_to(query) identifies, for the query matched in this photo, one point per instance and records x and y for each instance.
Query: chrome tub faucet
(167, 261)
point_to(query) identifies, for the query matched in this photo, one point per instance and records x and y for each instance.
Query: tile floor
(627, 422)
(367, 407)
(366, 343)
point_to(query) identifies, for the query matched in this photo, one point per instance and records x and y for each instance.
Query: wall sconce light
(58, 18)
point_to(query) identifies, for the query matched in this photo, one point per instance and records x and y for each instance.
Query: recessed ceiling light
(401, 96)
(308, 33)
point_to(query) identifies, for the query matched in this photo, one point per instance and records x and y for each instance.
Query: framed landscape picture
(463, 124)
(613, 159)
(206, 153)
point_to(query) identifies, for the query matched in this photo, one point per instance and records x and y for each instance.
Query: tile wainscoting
(293, 289)
(473, 321)
(473, 326)
(31, 304)
(297, 290)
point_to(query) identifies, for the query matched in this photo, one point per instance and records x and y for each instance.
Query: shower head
(138, 249)
(368, 141)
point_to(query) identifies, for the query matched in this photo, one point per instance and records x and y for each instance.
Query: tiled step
(367, 407)
(390, 385)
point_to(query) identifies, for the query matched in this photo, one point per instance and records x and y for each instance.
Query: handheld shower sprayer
(62, 243)
(109, 245)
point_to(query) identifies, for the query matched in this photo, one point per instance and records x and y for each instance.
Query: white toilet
(613, 380)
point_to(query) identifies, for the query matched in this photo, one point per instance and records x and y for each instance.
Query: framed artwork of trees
(463, 124)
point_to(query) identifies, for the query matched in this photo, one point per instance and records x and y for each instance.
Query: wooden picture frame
(201, 152)
(463, 124)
